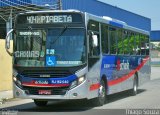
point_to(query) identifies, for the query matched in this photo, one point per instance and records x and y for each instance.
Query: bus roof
(103, 19)
(115, 22)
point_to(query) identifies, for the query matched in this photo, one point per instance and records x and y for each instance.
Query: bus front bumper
(79, 92)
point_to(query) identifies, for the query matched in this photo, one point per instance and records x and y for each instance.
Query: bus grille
(52, 74)
(54, 91)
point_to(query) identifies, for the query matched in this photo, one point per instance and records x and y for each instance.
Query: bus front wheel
(101, 99)
(40, 103)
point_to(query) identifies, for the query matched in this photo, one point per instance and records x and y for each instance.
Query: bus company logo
(120, 65)
(124, 65)
(60, 81)
(106, 65)
(41, 82)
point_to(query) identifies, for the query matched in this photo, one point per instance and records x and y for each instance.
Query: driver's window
(94, 39)
(94, 44)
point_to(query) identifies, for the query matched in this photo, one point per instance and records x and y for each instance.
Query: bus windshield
(56, 47)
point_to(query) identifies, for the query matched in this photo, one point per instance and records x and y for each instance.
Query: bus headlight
(81, 80)
(17, 82)
(16, 79)
(77, 82)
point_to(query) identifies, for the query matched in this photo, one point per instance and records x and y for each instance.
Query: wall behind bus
(95, 7)
(5, 68)
(155, 35)
(102, 9)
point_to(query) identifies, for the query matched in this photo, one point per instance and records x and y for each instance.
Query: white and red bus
(67, 55)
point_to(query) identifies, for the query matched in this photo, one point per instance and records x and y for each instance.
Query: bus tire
(134, 90)
(101, 99)
(40, 103)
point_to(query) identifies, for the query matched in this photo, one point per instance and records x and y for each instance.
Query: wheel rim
(102, 94)
(135, 86)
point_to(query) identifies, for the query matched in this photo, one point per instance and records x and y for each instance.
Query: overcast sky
(147, 8)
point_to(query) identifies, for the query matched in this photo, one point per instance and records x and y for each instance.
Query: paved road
(147, 98)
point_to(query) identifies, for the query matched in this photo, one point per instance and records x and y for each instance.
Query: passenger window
(120, 42)
(113, 40)
(131, 43)
(125, 42)
(138, 44)
(144, 45)
(104, 38)
(147, 46)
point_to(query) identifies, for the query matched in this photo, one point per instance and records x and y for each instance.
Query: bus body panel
(81, 90)
(145, 71)
(93, 76)
(118, 70)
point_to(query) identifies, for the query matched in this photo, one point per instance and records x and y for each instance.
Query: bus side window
(94, 39)
(104, 38)
(138, 44)
(120, 42)
(131, 43)
(144, 45)
(125, 42)
(135, 47)
(147, 46)
(113, 40)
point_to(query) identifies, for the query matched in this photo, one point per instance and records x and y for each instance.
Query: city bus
(71, 55)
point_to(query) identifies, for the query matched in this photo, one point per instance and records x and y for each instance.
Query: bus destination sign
(49, 19)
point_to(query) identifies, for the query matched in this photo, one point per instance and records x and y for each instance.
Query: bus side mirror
(93, 39)
(7, 44)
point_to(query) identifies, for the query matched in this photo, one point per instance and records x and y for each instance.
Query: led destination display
(50, 18)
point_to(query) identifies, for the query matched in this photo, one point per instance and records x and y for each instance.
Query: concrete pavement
(5, 95)
(8, 94)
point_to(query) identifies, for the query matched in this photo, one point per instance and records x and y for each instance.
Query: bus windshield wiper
(59, 36)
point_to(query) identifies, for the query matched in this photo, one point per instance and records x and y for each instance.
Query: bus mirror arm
(7, 44)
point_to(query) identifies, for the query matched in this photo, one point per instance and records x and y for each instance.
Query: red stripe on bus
(94, 86)
(44, 85)
(119, 80)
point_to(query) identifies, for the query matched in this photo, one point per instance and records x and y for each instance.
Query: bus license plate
(44, 92)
